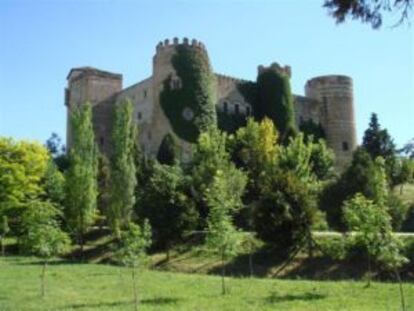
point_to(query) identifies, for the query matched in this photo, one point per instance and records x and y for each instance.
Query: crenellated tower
(335, 95)
(164, 72)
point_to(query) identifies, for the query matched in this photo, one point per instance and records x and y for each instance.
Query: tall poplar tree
(81, 181)
(123, 170)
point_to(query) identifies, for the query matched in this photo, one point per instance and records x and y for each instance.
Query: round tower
(164, 72)
(335, 95)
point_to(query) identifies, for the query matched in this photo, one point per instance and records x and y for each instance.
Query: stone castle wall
(328, 100)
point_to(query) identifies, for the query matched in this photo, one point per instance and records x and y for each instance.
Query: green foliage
(286, 210)
(167, 204)
(132, 252)
(22, 167)
(335, 248)
(196, 94)
(40, 231)
(322, 160)
(58, 152)
(230, 123)
(209, 158)
(398, 211)
(4, 230)
(361, 176)
(223, 198)
(372, 226)
(134, 243)
(168, 151)
(254, 148)
(54, 184)
(123, 171)
(378, 143)
(81, 181)
(104, 184)
(312, 130)
(275, 101)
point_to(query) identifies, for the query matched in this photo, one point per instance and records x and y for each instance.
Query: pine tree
(81, 182)
(123, 170)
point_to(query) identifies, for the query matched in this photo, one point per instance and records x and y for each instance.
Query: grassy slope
(103, 287)
(408, 193)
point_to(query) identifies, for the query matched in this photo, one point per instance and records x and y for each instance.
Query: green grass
(104, 287)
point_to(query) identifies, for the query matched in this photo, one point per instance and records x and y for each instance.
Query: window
(139, 115)
(149, 136)
(101, 141)
(145, 93)
(345, 146)
(237, 109)
(226, 107)
(248, 110)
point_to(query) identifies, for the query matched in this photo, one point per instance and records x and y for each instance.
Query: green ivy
(275, 101)
(230, 123)
(197, 93)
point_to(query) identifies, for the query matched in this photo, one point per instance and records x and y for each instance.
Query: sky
(40, 41)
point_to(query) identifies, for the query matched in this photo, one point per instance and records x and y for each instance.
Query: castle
(328, 101)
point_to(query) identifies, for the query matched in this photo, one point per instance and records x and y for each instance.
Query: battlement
(80, 72)
(287, 70)
(166, 44)
(329, 80)
(225, 78)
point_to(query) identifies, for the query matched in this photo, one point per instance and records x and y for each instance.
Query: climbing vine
(190, 106)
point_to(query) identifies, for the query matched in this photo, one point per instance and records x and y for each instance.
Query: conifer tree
(123, 170)
(81, 182)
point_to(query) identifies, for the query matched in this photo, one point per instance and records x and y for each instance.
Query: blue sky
(41, 40)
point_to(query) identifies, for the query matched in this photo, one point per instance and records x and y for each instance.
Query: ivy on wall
(191, 106)
(275, 101)
(230, 123)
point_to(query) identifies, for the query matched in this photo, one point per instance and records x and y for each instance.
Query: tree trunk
(397, 273)
(310, 245)
(223, 274)
(251, 264)
(369, 271)
(42, 277)
(2, 247)
(135, 289)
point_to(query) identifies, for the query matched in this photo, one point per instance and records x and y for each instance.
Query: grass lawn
(104, 287)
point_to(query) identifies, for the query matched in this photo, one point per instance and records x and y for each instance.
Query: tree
(406, 173)
(322, 160)
(123, 170)
(22, 167)
(57, 151)
(4, 230)
(253, 149)
(408, 149)
(42, 235)
(372, 226)
(54, 184)
(378, 143)
(285, 212)
(209, 157)
(134, 243)
(104, 184)
(81, 176)
(167, 204)
(275, 101)
(222, 236)
(358, 177)
(368, 11)
(167, 153)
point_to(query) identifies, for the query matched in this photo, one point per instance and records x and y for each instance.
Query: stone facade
(328, 100)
